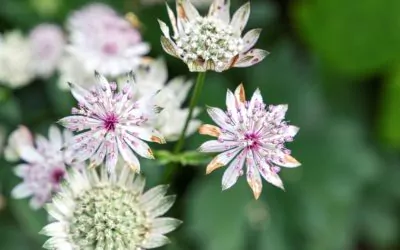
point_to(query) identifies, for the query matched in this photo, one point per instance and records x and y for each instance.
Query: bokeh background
(335, 62)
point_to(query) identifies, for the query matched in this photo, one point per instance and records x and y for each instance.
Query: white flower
(19, 138)
(47, 44)
(15, 60)
(104, 41)
(170, 121)
(100, 212)
(197, 3)
(71, 70)
(112, 122)
(43, 166)
(212, 42)
(252, 134)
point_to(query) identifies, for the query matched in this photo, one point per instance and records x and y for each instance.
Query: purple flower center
(252, 140)
(57, 175)
(110, 122)
(110, 48)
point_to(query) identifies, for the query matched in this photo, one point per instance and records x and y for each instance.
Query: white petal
(164, 225)
(222, 159)
(29, 154)
(220, 10)
(21, 170)
(186, 10)
(269, 175)
(140, 147)
(57, 229)
(286, 160)
(240, 18)
(217, 146)
(111, 156)
(55, 137)
(256, 99)
(169, 46)
(253, 176)
(154, 241)
(250, 58)
(79, 93)
(138, 184)
(128, 155)
(172, 18)
(233, 172)
(292, 130)
(21, 191)
(164, 28)
(154, 195)
(250, 39)
(219, 117)
(163, 206)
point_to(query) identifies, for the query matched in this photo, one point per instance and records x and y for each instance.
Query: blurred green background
(335, 62)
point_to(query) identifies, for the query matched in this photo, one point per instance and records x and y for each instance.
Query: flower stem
(193, 101)
(179, 145)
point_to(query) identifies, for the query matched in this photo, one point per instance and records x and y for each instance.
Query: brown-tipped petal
(172, 18)
(133, 20)
(134, 168)
(240, 93)
(220, 10)
(92, 165)
(150, 152)
(213, 165)
(256, 186)
(250, 58)
(290, 162)
(169, 46)
(157, 139)
(211, 130)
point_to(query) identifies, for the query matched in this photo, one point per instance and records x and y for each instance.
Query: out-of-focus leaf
(10, 111)
(31, 222)
(217, 219)
(355, 37)
(389, 122)
(62, 100)
(185, 158)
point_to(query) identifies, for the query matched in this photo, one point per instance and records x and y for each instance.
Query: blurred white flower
(47, 44)
(71, 70)
(112, 122)
(15, 60)
(18, 138)
(197, 3)
(212, 42)
(43, 166)
(100, 212)
(153, 77)
(252, 134)
(104, 41)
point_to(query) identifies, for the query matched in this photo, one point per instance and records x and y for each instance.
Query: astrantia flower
(47, 45)
(197, 3)
(112, 122)
(212, 42)
(251, 134)
(152, 77)
(101, 212)
(15, 60)
(104, 41)
(43, 167)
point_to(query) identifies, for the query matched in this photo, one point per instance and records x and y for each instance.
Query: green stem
(193, 102)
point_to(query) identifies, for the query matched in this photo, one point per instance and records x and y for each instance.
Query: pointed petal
(269, 175)
(220, 9)
(55, 137)
(215, 146)
(240, 94)
(222, 159)
(112, 155)
(164, 28)
(286, 160)
(154, 194)
(250, 39)
(164, 225)
(172, 18)
(250, 58)
(127, 154)
(21, 191)
(21, 170)
(154, 241)
(253, 176)
(211, 130)
(240, 18)
(29, 154)
(234, 170)
(79, 93)
(186, 10)
(55, 229)
(255, 100)
(169, 46)
(163, 206)
(292, 130)
(219, 117)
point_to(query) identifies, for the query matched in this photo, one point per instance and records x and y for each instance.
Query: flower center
(208, 38)
(252, 140)
(108, 217)
(110, 122)
(57, 175)
(110, 48)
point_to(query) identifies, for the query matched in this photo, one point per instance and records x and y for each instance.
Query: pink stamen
(57, 175)
(110, 122)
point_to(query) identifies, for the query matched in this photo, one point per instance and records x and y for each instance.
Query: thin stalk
(179, 145)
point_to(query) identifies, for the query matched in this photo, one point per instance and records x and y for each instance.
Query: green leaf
(355, 37)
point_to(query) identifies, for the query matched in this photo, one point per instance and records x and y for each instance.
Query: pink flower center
(110, 122)
(57, 175)
(110, 48)
(252, 140)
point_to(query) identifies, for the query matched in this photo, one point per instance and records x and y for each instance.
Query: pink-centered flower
(43, 166)
(104, 41)
(110, 122)
(252, 134)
